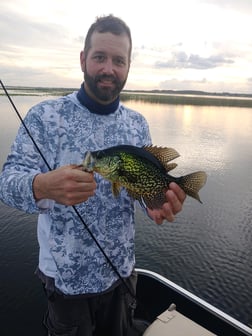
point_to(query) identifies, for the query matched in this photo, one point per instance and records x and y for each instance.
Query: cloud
(37, 53)
(40, 43)
(181, 60)
(243, 6)
(18, 31)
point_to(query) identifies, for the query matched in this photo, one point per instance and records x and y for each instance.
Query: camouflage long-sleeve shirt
(64, 130)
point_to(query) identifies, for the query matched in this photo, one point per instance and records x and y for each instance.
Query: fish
(143, 172)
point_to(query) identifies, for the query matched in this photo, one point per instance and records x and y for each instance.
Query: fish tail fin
(192, 183)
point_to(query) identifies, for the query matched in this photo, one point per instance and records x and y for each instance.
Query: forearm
(16, 191)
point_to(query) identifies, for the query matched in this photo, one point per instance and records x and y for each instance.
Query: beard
(105, 94)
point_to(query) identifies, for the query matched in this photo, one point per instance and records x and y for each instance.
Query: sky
(177, 45)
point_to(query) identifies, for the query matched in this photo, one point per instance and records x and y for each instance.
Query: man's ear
(82, 60)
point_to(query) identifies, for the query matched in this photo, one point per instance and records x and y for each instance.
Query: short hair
(107, 24)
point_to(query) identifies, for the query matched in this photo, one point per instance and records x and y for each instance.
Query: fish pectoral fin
(116, 188)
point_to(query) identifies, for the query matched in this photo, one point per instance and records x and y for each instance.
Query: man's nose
(108, 66)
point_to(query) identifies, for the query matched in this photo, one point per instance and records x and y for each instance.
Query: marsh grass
(170, 97)
(180, 99)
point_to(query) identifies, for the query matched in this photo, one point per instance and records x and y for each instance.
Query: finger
(82, 188)
(81, 176)
(181, 195)
(158, 218)
(79, 167)
(167, 212)
(173, 201)
(155, 215)
(77, 195)
(159, 215)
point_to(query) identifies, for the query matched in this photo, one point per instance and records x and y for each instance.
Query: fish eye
(114, 160)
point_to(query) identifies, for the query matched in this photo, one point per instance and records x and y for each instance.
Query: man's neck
(95, 107)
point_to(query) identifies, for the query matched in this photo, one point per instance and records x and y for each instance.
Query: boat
(164, 308)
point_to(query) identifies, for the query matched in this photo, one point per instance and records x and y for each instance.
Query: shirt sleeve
(22, 165)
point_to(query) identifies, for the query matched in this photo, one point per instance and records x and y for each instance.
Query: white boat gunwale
(200, 302)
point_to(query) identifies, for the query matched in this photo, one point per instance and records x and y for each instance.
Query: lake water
(207, 250)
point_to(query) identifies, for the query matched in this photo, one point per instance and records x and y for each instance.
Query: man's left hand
(175, 198)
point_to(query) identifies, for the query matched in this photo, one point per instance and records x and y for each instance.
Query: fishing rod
(73, 206)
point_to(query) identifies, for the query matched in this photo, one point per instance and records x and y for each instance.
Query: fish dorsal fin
(163, 155)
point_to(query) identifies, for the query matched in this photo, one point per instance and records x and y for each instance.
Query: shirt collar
(95, 107)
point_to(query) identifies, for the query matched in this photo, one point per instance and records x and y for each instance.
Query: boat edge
(217, 312)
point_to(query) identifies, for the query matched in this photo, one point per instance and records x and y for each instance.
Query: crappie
(143, 171)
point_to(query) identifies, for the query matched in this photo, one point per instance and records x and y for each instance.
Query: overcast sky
(183, 44)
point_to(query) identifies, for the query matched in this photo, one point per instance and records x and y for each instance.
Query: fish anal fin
(154, 201)
(134, 195)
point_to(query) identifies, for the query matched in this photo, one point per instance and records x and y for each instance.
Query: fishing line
(23, 123)
(73, 206)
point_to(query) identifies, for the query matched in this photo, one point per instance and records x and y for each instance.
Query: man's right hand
(67, 185)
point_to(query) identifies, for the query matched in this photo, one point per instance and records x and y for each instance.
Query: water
(207, 250)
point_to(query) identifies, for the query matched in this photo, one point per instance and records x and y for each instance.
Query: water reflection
(10, 121)
(208, 249)
(209, 137)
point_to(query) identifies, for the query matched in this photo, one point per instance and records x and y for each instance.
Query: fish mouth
(88, 163)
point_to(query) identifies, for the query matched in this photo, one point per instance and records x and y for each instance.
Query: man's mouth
(106, 83)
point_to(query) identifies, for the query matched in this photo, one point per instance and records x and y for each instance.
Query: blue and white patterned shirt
(65, 130)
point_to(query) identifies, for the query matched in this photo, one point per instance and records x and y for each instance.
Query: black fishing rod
(73, 206)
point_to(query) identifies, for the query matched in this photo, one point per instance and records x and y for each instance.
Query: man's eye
(99, 58)
(119, 61)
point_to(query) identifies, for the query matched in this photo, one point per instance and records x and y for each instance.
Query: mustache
(106, 77)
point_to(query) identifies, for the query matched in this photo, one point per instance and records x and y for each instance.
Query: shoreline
(158, 97)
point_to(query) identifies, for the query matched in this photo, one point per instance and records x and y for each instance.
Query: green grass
(188, 99)
(168, 97)
(37, 91)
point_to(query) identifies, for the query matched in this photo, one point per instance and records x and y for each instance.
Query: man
(87, 271)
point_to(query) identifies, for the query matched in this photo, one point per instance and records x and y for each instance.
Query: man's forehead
(108, 41)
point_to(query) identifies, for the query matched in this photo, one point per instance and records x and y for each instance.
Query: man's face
(106, 66)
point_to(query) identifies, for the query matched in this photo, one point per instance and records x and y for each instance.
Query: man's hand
(175, 198)
(67, 185)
